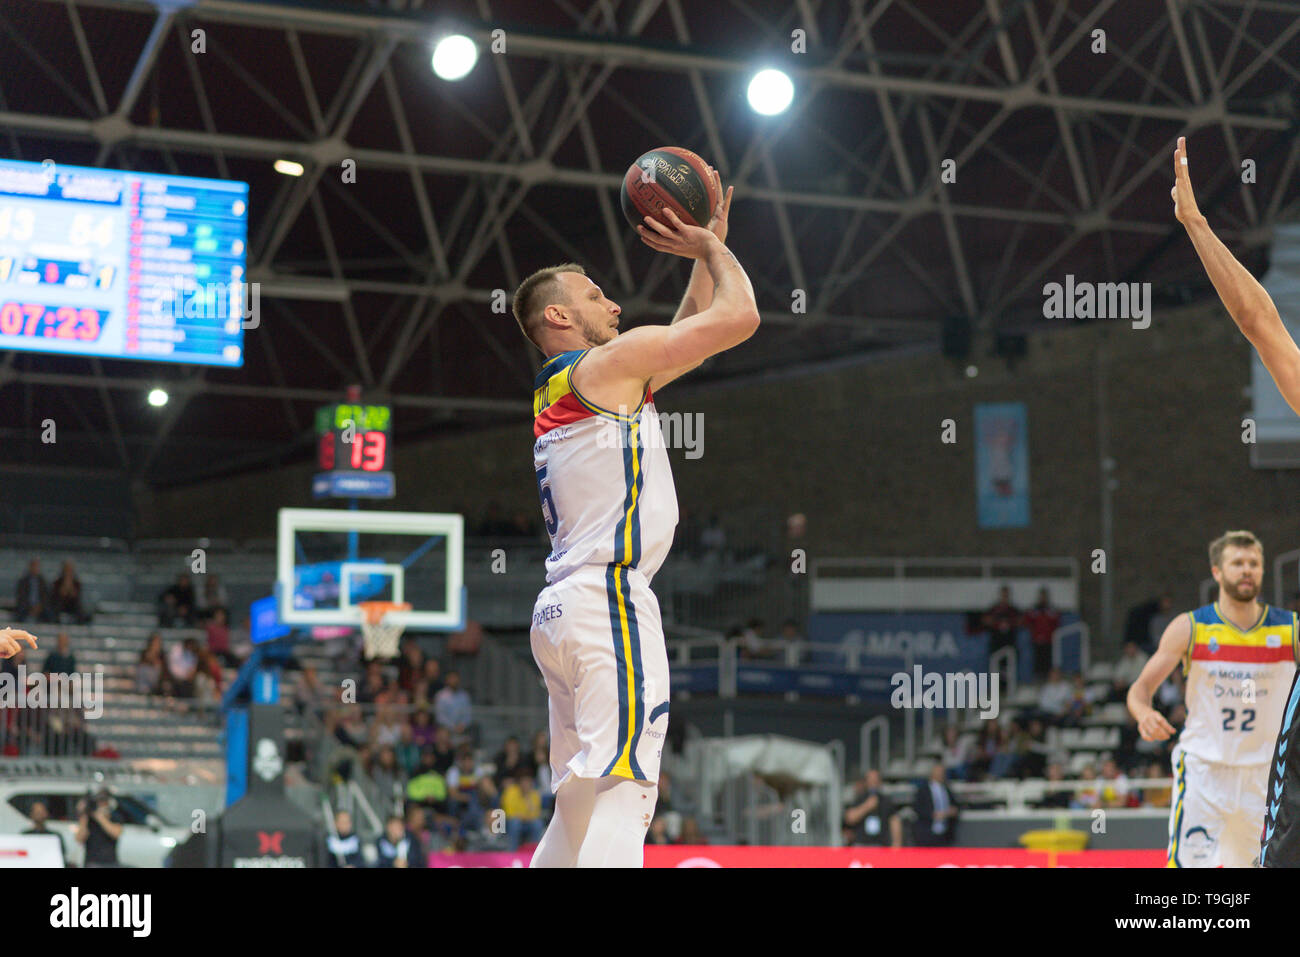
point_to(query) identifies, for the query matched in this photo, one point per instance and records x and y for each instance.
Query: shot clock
(352, 451)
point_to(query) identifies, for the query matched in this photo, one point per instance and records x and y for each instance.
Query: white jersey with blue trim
(605, 481)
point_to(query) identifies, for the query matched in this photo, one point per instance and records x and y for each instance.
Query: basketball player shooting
(610, 510)
(1256, 315)
(10, 639)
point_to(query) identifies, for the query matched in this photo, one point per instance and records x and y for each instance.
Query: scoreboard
(352, 449)
(116, 264)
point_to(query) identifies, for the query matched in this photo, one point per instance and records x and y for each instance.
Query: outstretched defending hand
(1185, 208)
(680, 239)
(9, 641)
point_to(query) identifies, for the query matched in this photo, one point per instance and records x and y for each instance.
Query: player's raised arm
(640, 354)
(1173, 645)
(1248, 303)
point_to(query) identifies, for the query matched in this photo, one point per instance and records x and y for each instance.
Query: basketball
(669, 177)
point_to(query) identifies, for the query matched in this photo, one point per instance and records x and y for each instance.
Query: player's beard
(596, 334)
(1239, 592)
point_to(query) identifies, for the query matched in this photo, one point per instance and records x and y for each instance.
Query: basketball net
(382, 634)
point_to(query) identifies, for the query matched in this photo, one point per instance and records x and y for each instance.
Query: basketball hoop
(382, 634)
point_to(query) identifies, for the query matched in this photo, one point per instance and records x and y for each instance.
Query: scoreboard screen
(352, 451)
(116, 264)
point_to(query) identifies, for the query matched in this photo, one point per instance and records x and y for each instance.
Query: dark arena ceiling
(1062, 158)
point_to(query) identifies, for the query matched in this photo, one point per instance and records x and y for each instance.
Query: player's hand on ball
(679, 239)
(1154, 727)
(718, 222)
(1185, 208)
(9, 641)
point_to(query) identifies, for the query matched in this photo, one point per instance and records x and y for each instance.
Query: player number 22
(1247, 719)
(548, 502)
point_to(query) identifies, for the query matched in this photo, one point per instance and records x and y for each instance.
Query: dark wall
(858, 450)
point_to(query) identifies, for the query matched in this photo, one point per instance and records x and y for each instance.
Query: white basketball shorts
(599, 642)
(1216, 815)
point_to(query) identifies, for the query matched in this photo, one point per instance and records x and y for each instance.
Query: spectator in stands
(177, 603)
(207, 678)
(309, 695)
(428, 788)
(32, 596)
(443, 750)
(753, 644)
(1002, 620)
(66, 595)
(985, 750)
(468, 788)
(387, 776)
(343, 847)
(1137, 624)
(423, 730)
(523, 809)
(1087, 798)
(1042, 621)
(1011, 747)
(98, 829)
(431, 682)
(418, 836)
(408, 752)
(658, 833)
(691, 834)
(183, 664)
(61, 661)
(510, 762)
(40, 816)
(1054, 697)
(665, 802)
(956, 753)
(1080, 705)
(410, 668)
(1127, 669)
(871, 818)
(393, 849)
(1170, 692)
(386, 730)
(1114, 785)
(151, 675)
(936, 810)
(452, 707)
(218, 634)
(373, 684)
(212, 597)
(541, 754)
(1058, 796)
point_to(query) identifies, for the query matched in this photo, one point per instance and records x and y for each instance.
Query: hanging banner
(1002, 465)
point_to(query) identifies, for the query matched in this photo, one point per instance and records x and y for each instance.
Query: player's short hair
(1239, 539)
(535, 293)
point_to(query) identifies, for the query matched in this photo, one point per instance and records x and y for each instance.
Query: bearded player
(1239, 658)
(1255, 314)
(610, 509)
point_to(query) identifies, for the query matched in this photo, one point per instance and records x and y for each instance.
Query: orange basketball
(669, 177)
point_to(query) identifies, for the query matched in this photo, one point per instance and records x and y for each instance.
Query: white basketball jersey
(605, 481)
(1237, 685)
